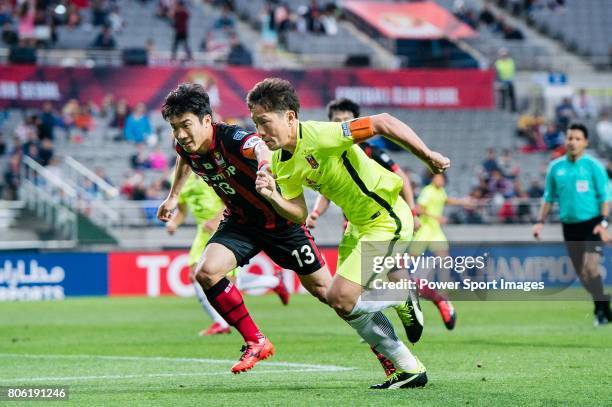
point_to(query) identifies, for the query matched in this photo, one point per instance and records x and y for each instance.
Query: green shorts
(198, 246)
(393, 227)
(429, 237)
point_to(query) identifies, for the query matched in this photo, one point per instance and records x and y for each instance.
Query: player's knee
(207, 275)
(340, 304)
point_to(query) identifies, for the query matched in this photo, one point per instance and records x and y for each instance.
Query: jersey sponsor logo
(312, 161)
(346, 129)
(240, 134)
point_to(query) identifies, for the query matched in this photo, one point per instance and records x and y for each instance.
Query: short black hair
(343, 105)
(581, 127)
(187, 98)
(274, 95)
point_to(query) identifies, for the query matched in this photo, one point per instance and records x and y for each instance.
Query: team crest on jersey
(312, 161)
(219, 159)
(240, 134)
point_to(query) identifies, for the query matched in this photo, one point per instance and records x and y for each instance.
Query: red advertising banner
(27, 86)
(161, 273)
(419, 21)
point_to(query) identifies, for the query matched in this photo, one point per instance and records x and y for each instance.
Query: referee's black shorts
(291, 247)
(580, 239)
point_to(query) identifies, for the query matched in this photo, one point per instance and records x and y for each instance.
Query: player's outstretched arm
(181, 173)
(293, 209)
(399, 132)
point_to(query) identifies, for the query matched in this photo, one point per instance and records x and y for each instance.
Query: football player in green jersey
(325, 157)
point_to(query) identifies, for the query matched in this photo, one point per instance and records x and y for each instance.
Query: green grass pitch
(145, 351)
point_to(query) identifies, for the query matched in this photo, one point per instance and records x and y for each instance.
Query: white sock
(367, 307)
(378, 332)
(214, 315)
(250, 281)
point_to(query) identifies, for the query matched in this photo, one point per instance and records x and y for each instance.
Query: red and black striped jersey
(230, 167)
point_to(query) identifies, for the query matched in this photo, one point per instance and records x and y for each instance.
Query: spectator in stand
(511, 33)
(164, 9)
(535, 190)
(105, 39)
(506, 71)
(74, 17)
(155, 191)
(158, 160)
(464, 14)
(45, 152)
(100, 172)
(137, 125)
(122, 111)
(523, 209)
(69, 113)
(328, 20)
(499, 185)
(506, 164)
(6, 12)
(25, 27)
(553, 137)
(564, 114)
(99, 12)
(486, 16)
(115, 21)
(604, 132)
(11, 177)
(47, 122)
(9, 35)
(609, 169)
(313, 22)
(584, 106)
(225, 20)
(139, 160)
(180, 18)
(84, 118)
(107, 110)
(32, 140)
(490, 164)
(3, 148)
(239, 54)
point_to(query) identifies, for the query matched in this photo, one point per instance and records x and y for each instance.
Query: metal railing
(47, 195)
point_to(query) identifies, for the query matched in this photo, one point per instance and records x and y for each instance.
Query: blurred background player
(579, 183)
(430, 208)
(344, 110)
(207, 209)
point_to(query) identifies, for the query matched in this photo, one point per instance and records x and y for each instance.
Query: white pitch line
(171, 359)
(151, 375)
(300, 367)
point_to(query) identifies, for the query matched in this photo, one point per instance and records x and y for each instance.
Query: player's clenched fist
(437, 163)
(265, 183)
(166, 209)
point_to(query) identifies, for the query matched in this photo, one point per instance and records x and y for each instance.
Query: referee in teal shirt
(579, 183)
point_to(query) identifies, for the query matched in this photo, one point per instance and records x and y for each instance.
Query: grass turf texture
(501, 353)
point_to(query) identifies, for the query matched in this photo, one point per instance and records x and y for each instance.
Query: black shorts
(580, 239)
(583, 232)
(292, 248)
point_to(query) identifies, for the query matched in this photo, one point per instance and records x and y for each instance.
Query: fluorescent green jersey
(201, 200)
(432, 200)
(326, 160)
